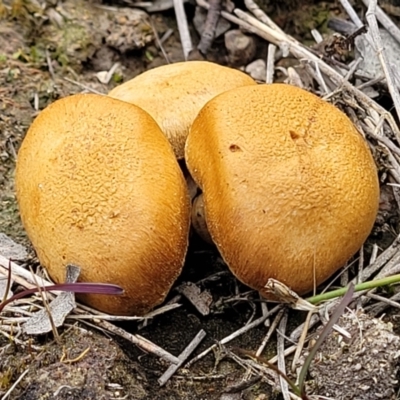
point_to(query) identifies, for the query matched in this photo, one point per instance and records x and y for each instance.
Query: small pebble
(241, 48)
(257, 70)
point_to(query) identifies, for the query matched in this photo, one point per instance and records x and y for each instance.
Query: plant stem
(361, 286)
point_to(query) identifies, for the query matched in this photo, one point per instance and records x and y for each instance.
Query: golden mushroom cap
(290, 188)
(98, 186)
(173, 94)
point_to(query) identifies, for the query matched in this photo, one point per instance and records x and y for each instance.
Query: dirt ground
(48, 52)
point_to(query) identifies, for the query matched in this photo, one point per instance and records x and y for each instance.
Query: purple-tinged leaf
(78, 287)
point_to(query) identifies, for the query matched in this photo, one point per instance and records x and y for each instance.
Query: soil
(53, 51)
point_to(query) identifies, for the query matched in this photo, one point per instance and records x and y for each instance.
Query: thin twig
(271, 330)
(183, 28)
(270, 63)
(392, 251)
(50, 66)
(210, 26)
(139, 341)
(351, 13)
(182, 358)
(302, 340)
(388, 302)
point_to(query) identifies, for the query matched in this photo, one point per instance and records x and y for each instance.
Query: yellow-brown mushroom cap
(290, 187)
(173, 94)
(98, 186)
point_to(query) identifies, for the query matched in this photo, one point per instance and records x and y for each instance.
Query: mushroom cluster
(99, 185)
(289, 187)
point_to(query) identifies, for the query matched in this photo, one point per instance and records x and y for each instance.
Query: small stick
(377, 309)
(270, 63)
(295, 335)
(316, 36)
(351, 13)
(264, 310)
(281, 356)
(182, 358)
(183, 28)
(271, 330)
(139, 341)
(370, 83)
(288, 351)
(50, 66)
(302, 340)
(166, 35)
(210, 26)
(388, 302)
(249, 364)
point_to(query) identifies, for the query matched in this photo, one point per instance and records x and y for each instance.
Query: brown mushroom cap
(290, 187)
(173, 94)
(98, 186)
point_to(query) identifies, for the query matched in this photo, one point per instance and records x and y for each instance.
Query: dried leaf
(60, 307)
(201, 300)
(10, 249)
